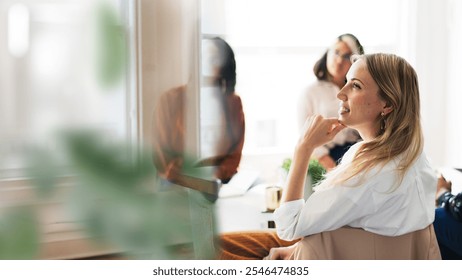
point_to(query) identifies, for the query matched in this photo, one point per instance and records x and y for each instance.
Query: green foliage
(286, 164)
(18, 234)
(117, 201)
(42, 171)
(117, 198)
(315, 170)
(111, 46)
(97, 159)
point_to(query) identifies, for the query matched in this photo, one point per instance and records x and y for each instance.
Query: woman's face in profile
(338, 60)
(361, 104)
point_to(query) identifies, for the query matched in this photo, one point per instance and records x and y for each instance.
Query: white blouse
(370, 205)
(320, 98)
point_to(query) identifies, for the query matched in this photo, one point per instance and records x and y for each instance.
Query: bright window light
(18, 30)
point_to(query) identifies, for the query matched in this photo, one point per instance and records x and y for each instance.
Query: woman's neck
(367, 134)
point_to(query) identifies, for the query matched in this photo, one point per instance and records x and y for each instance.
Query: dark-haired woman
(320, 98)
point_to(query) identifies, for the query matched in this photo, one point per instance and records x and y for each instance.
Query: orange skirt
(249, 245)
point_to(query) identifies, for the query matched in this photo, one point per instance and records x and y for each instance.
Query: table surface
(244, 212)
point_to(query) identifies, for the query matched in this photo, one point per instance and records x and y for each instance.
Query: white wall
(453, 112)
(437, 37)
(431, 63)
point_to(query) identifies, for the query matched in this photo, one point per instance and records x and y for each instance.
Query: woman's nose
(339, 59)
(341, 94)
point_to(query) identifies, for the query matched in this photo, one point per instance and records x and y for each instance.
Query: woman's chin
(344, 121)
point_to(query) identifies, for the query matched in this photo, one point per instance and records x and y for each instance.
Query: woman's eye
(356, 85)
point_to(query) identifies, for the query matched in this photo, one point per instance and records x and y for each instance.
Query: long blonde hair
(400, 135)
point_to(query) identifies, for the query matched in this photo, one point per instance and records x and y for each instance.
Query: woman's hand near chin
(318, 131)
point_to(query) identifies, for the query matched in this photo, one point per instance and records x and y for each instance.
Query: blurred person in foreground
(227, 136)
(320, 98)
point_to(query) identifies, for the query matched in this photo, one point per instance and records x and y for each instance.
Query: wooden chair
(357, 244)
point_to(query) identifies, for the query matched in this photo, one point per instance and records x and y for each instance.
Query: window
(64, 66)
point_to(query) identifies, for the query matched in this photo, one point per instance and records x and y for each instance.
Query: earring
(383, 124)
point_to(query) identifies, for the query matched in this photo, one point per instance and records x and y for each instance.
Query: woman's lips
(343, 110)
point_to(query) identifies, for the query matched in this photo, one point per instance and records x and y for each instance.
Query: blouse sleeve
(326, 209)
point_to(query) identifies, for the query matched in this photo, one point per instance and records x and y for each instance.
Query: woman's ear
(387, 110)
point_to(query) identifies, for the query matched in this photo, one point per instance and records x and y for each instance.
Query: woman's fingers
(336, 127)
(319, 130)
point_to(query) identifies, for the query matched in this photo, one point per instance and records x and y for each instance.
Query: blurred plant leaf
(116, 201)
(43, 171)
(19, 234)
(111, 46)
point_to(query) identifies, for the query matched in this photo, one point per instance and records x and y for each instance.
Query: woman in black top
(448, 221)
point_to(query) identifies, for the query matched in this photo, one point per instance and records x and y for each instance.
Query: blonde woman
(384, 184)
(319, 98)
